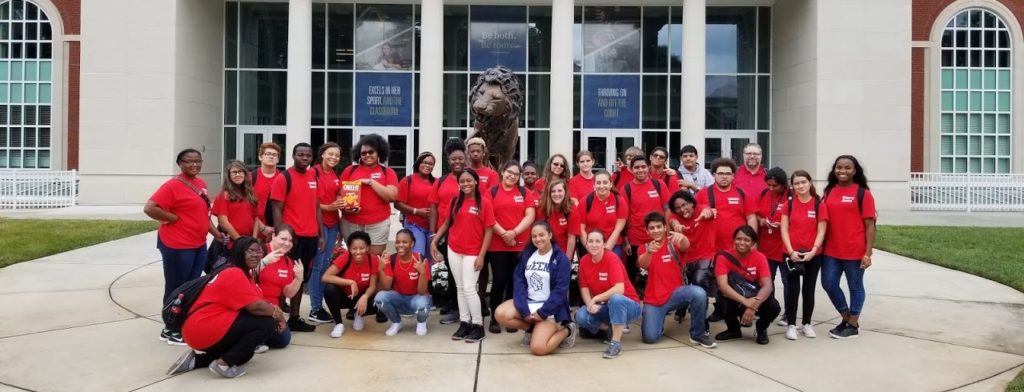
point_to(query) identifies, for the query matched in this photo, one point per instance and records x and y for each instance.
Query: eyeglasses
(270, 154)
(557, 164)
(513, 173)
(367, 152)
(236, 173)
(658, 156)
(192, 162)
(723, 174)
(254, 251)
(752, 153)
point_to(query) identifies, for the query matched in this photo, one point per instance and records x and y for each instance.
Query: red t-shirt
(328, 184)
(561, 226)
(644, 200)
(414, 191)
(751, 183)
(218, 306)
(601, 276)
(666, 180)
(445, 191)
(621, 178)
(488, 177)
(846, 237)
(189, 231)
(372, 209)
(602, 215)
(803, 223)
(300, 205)
(262, 187)
(510, 209)
(274, 277)
(664, 275)
(241, 214)
(466, 236)
(580, 187)
(701, 234)
(755, 265)
(769, 241)
(539, 185)
(406, 278)
(732, 212)
(359, 272)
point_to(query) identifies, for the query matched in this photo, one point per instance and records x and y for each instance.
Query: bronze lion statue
(496, 101)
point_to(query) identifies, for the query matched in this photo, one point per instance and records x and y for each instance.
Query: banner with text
(611, 101)
(383, 99)
(497, 36)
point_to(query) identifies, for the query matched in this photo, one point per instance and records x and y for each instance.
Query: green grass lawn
(28, 239)
(991, 253)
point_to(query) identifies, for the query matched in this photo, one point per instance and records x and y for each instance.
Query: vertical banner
(497, 36)
(383, 99)
(611, 101)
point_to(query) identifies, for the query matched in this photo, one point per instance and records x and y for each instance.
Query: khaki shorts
(378, 231)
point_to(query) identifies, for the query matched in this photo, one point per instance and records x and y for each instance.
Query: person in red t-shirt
(804, 220)
(851, 237)
(556, 167)
(379, 189)
(444, 194)
(404, 283)
(530, 175)
(414, 200)
(515, 209)
(351, 283)
(769, 218)
(262, 178)
(604, 210)
(328, 184)
(230, 318)
(666, 290)
(182, 206)
(644, 195)
(235, 205)
(661, 171)
(751, 267)
(582, 183)
(732, 207)
(297, 206)
(470, 221)
(623, 175)
(609, 297)
(700, 232)
(750, 176)
(278, 275)
(557, 209)
(476, 150)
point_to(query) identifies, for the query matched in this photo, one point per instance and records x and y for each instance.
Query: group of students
(646, 240)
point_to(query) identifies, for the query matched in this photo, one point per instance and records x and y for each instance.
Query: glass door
(608, 146)
(402, 150)
(250, 139)
(730, 145)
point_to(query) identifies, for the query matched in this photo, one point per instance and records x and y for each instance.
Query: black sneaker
(476, 334)
(762, 337)
(172, 337)
(715, 317)
(728, 335)
(704, 341)
(494, 327)
(486, 310)
(320, 316)
(351, 315)
(835, 331)
(295, 324)
(848, 332)
(463, 330)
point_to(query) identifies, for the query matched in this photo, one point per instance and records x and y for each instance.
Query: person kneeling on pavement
(746, 283)
(404, 279)
(351, 283)
(614, 303)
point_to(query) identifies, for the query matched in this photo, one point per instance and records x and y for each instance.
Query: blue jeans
(831, 270)
(422, 238)
(180, 266)
(394, 305)
(619, 310)
(689, 296)
(320, 264)
(280, 339)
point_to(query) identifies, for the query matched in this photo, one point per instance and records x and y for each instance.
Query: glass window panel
(1003, 145)
(990, 19)
(456, 31)
(731, 39)
(675, 49)
(16, 96)
(1003, 123)
(30, 93)
(976, 17)
(990, 79)
(947, 38)
(947, 58)
(974, 125)
(989, 124)
(539, 101)
(44, 159)
(764, 140)
(1003, 79)
(975, 38)
(30, 115)
(975, 165)
(763, 103)
(230, 143)
(339, 98)
(947, 101)
(947, 78)
(611, 39)
(961, 78)
(540, 38)
(989, 38)
(230, 96)
(656, 39)
(317, 100)
(384, 37)
(263, 35)
(675, 101)
(31, 71)
(974, 145)
(30, 159)
(729, 102)
(576, 100)
(990, 101)
(45, 71)
(946, 123)
(975, 58)
(577, 39)
(946, 165)
(45, 32)
(989, 146)
(961, 19)
(1004, 102)
(30, 138)
(975, 79)
(961, 101)
(1002, 165)
(17, 70)
(1004, 39)
(526, 101)
(340, 43)
(946, 147)
(655, 102)
(15, 160)
(538, 146)
(5, 11)
(15, 137)
(17, 31)
(1004, 59)
(262, 98)
(231, 35)
(456, 105)
(32, 31)
(960, 147)
(764, 45)
(45, 93)
(319, 52)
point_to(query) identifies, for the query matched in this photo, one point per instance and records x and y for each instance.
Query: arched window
(26, 85)
(976, 97)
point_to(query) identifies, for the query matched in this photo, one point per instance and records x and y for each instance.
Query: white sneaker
(782, 321)
(357, 323)
(625, 329)
(791, 332)
(393, 329)
(339, 329)
(421, 328)
(262, 349)
(809, 331)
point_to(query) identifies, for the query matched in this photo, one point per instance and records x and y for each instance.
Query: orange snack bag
(349, 194)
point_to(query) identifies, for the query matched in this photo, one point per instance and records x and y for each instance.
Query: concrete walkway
(86, 320)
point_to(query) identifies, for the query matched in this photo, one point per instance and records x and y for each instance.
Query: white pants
(465, 284)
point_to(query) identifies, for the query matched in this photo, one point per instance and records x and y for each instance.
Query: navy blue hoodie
(558, 302)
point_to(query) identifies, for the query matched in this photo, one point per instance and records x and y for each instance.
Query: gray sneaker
(613, 351)
(704, 340)
(450, 318)
(574, 332)
(848, 332)
(185, 362)
(227, 372)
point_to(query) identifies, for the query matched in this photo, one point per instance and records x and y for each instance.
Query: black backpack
(711, 196)
(494, 191)
(179, 305)
(590, 201)
(789, 207)
(628, 190)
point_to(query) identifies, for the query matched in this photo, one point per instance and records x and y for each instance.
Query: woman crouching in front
(351, 283)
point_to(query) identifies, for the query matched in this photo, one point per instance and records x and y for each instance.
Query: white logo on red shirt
(734, 201)
(666, 258)
(414, 275)
(653, 194)
(811, 214)
(282, 273)
(517, 199)
(473, 210)
(483, 178)
(610, 209)
(847, 199)
(364, 277)
(751, 271)
(562, 221)
(602, 276)
(376, 175)
(312, 185)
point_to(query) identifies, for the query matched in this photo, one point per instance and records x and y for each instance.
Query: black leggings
(337, 300)
(238, 344)
(632, 270)
(503, 265)
(305, 250)
(767, 313)
(810, 283)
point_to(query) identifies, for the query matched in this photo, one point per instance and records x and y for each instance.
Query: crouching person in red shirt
(611, 301)
(351, 283)
(405, 278)
(277, 275)
(752, 269)
(230, 318)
